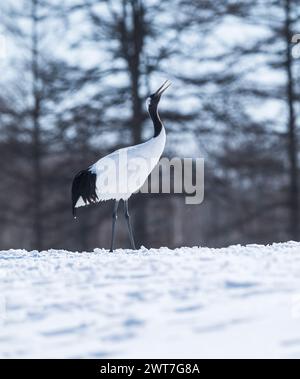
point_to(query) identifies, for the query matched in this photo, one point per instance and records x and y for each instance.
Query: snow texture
(241, 302)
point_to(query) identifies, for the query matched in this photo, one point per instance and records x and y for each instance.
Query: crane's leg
(114, 220)
(127, 216)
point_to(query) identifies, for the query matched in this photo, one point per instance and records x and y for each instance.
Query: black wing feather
(84, 185)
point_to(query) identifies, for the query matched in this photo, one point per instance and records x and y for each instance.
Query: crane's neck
(158, 125)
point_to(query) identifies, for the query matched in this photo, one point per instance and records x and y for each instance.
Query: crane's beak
(162, 89)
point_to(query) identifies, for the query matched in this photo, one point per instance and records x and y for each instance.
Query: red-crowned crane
(118, 175)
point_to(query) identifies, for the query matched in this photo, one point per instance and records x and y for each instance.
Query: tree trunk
(133, 43)
(36, 137)
(292, 138)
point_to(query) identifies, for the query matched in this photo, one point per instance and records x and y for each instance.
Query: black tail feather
(84, 185)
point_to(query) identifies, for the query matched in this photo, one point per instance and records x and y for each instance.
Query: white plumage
(123, 172)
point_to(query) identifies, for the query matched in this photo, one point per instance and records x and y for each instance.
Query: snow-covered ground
(184, 303)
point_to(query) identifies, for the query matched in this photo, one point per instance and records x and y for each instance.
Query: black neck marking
(153, 111)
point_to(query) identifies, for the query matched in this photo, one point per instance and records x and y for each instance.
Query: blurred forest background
(74, 78)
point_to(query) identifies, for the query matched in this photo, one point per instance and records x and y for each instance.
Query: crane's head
(153, 99)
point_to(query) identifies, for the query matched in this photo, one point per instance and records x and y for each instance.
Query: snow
(241, 302)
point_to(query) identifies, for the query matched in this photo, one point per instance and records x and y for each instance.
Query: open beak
(162, 89)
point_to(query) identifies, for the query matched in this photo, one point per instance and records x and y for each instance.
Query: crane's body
(120, 174)
(123, 172)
